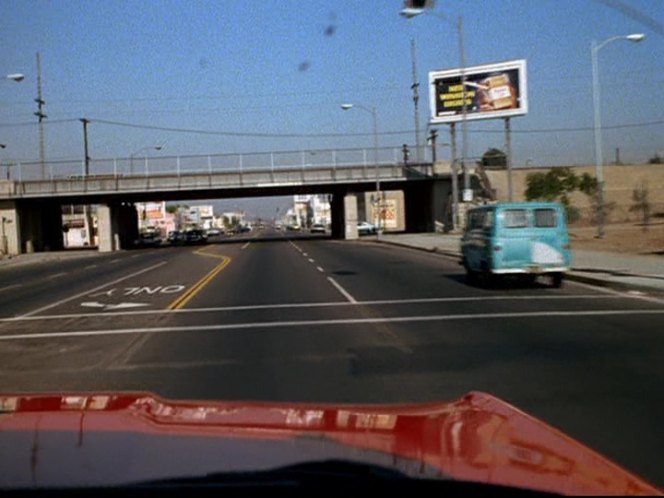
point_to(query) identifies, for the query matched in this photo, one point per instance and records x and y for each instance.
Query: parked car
(148, 239)
(214, 232)
(317, 228)
(175, 237)
(293, 227)
(519, 238)
(365, 228)
(194, 236)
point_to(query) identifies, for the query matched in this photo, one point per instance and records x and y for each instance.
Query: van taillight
(497, 248)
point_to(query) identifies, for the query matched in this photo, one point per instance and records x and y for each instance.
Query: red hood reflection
(105, 439)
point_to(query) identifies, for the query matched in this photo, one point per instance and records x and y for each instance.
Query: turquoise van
(520, 238)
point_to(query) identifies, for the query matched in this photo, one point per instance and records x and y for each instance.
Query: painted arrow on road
(111, 307)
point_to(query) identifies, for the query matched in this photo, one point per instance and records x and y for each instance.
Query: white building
(308, 210)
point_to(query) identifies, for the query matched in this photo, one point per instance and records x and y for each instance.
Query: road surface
(283, 317)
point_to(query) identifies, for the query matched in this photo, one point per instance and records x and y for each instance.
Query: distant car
(148, 239)
(194, 236)
(365, 228)
(213, 232)
(175, 237)
(293, 227)
(317, 228)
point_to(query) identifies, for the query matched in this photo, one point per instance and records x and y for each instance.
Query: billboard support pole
(508, 157)
(464, 124)
(455, 178)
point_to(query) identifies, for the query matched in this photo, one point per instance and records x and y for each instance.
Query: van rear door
(512, 245)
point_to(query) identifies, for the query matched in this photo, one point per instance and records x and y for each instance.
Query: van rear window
(545, 218)
(515, 218)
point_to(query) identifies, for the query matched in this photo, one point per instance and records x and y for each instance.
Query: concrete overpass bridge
(31, 194)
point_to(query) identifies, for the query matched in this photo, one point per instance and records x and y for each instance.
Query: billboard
(492, 91)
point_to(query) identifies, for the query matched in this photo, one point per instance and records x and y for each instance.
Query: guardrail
(277, 173)
(196, 164)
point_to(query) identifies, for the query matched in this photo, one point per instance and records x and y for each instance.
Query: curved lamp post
(144, 149)
(372, 111)
(17, 77)
(594, 49)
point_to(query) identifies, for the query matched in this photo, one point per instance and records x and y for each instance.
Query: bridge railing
(202, 164)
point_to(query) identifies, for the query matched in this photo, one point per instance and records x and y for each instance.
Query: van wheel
(557, 280)
(471, 276)
(529, 279)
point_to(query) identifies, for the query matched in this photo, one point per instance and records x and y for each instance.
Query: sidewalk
(40, 257)
(606, 269)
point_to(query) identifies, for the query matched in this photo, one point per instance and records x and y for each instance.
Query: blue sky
(284, 66)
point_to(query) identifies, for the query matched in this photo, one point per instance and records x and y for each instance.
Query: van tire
(471, 276)
(556, 280)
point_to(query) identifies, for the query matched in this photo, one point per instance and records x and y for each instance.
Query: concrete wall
(394, 219)
(428, 206)
(620, 182)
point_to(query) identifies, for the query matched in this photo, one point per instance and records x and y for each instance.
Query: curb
(434, 250)
(572, 276)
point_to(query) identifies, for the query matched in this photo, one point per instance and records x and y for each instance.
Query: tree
(656, 159)
(642, 204)
(554, 185)
(494, 158)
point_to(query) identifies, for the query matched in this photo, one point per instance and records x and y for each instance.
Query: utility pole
(86, 171)
(508, 149)
(40, 114)
(416, 99)
(467, 193)
(432, 138)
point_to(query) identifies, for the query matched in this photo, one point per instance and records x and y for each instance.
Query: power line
(32, 123)
(320, 135)
(338, 135)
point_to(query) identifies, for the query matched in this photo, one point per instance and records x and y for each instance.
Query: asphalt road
(312, 319)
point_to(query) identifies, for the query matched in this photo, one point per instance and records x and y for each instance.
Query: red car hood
(107, 439)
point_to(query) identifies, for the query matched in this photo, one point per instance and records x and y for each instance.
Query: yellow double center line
(187, 296)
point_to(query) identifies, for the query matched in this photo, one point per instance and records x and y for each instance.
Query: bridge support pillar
(36, 226)
(344, 216)
(10, 229)
(350, 217)
(117, 226)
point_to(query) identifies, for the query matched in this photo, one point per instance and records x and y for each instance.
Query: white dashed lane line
(349, 297)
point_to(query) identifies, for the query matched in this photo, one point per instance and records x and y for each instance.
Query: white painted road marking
(13, 286)
(90, 267)
(343, 291)
(246, 245)
(87, 292)
(114, 261)
(397, 302)
(58, 275)
(314, 324)
(320, 269)
(311, 260)
(110, 307)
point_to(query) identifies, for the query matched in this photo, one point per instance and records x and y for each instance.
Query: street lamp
(372, 111)
(17, 77)
(144, 149)
(594, 48)
(412, 11)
